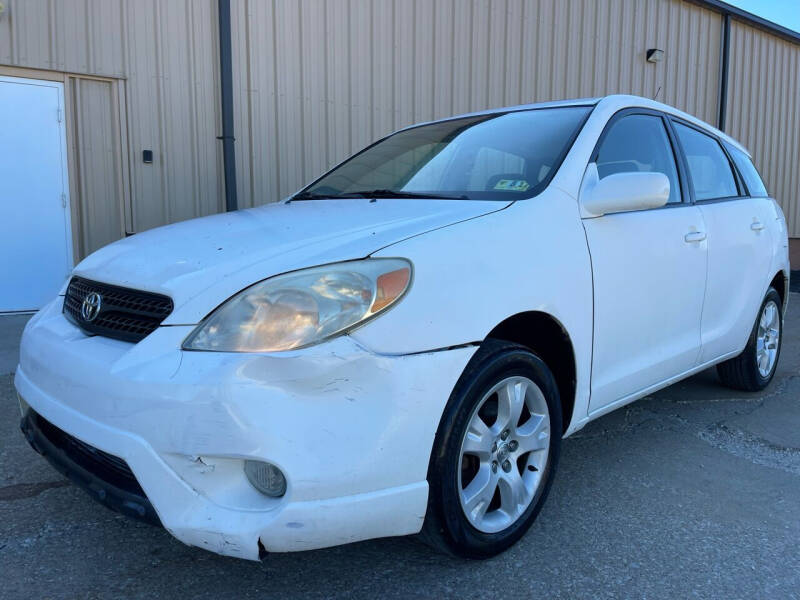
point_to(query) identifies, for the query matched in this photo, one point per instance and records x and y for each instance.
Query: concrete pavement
(692, 492)
(11, 327)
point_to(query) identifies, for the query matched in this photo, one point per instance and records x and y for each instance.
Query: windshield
(504, 156)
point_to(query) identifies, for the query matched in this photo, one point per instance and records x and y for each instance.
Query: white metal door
(35, 233)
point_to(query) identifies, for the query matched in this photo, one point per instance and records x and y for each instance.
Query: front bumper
(107, 478)
(351, 430)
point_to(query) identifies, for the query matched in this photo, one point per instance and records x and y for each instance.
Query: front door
(649, 270)
(35, 235)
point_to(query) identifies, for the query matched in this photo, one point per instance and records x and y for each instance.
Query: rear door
(35, 235)
(649, 269)
(739, 242)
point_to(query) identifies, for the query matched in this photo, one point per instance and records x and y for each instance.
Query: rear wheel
(753, 369)
(495, 453)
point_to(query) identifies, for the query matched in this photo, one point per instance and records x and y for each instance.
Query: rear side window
(755, 186)
(711, 173)
(638, 143)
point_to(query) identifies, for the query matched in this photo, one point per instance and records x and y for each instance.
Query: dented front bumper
(351, 430)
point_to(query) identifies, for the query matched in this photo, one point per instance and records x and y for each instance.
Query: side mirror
(621, 192)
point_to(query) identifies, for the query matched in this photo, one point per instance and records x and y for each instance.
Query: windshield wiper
(399, 194)
(375, 194)
(311, 196)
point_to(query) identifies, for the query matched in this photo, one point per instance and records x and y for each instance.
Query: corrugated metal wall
(764, 111)
(164, 53)
(96, 174)
(319, 79)
(316, 80)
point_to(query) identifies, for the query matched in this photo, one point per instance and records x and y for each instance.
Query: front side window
(711, 173)
(639, 143)
(496, 157)
(755, 186)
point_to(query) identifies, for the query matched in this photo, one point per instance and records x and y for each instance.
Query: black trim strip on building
(724, 59)
(226, 95)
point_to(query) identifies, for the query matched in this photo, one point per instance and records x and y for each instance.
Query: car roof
(620, 101)
(612, 103)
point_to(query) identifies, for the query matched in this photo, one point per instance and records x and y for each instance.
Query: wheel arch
(780, 283)
(546, 337)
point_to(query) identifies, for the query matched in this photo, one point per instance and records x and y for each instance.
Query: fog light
(266, 478)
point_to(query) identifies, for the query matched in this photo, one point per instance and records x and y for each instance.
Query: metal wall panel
(763, 111)
(172, 88)
(316, 80)
(165, 55)
(97, 172)
(319, 79)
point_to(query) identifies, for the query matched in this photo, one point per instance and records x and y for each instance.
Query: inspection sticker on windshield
(512, 185)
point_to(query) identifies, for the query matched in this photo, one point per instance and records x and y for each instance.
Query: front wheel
(753, 369)
(495, 453)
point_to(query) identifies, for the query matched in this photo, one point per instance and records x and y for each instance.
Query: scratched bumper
(351, 430)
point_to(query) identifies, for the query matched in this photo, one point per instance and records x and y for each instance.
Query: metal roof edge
(749, 19)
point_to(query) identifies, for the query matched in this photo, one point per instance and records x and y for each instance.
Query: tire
(742, 372)
(492, 529)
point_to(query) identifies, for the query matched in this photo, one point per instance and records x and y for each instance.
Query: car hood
(202, 262)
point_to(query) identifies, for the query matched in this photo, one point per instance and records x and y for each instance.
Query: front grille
(107, 467)
(123, 313)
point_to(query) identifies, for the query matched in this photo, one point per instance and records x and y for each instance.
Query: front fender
(471, 276)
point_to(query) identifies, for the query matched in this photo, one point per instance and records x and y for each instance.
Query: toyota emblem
(91, 306)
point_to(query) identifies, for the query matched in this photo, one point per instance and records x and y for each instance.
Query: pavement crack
(753, 448)
(20, 491)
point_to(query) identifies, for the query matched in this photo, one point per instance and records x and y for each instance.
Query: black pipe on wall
(226, 93)
(723, 70)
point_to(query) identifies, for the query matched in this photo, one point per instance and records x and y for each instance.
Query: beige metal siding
(165, 55)
(96, 153)
(63, 35)
(317, 80)
(764, 111)
(172, 90)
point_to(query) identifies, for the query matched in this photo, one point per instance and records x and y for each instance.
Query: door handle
(756, 226)
(694, 236)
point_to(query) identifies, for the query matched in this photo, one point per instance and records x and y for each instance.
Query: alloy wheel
(503, 454)
(768, 338)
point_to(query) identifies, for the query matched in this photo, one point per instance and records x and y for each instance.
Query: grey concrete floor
(691, 492)
(11, 327)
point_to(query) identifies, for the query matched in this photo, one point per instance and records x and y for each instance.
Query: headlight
(302, 308)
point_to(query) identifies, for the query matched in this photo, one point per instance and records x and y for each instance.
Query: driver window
(639, 143)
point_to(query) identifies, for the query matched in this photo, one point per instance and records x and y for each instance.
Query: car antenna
(658, 91)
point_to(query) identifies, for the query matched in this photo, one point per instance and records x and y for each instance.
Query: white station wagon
(400, 347)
